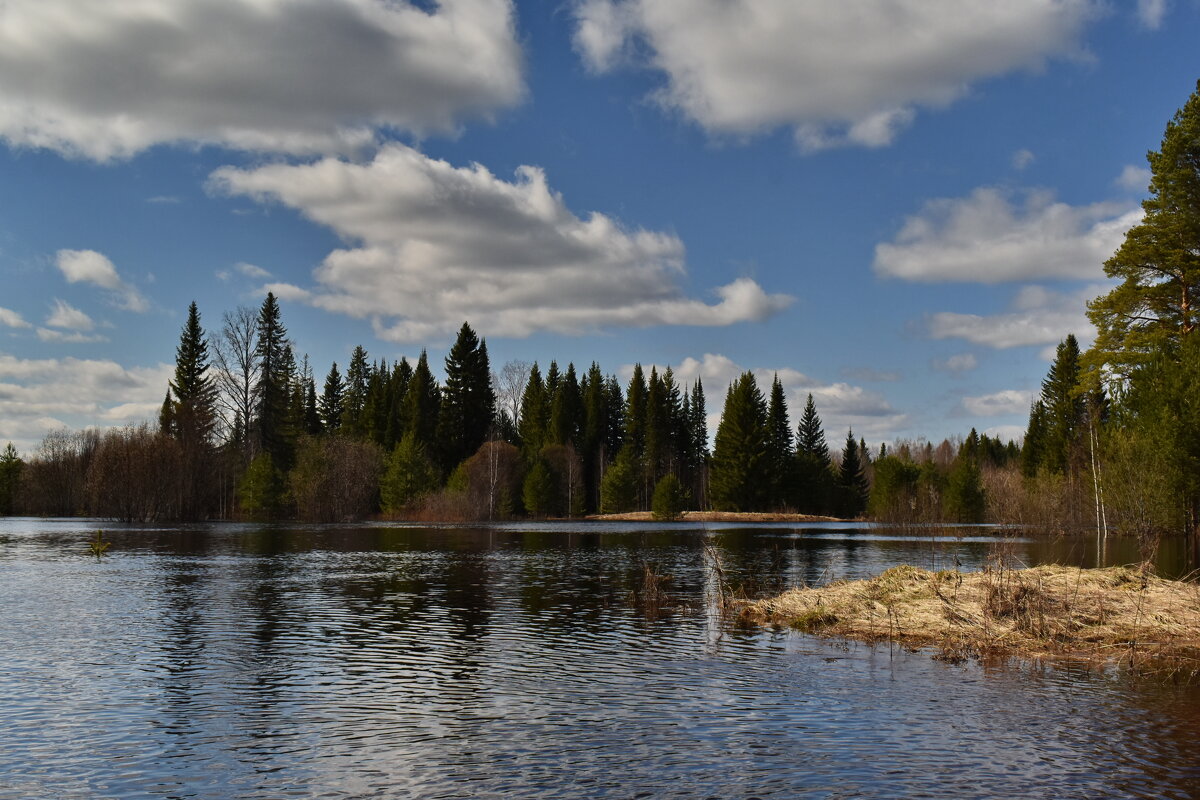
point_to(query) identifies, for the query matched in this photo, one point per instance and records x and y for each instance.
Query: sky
(898, 206)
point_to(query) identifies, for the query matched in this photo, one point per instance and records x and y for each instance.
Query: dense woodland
(1113, 440)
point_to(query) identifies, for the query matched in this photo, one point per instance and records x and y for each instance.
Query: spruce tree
(657, 432)
(1033, 449)
(468, 400)
(397, 390)
(814, 480)
(332, 401)
(354, 398)
(740, 479)
(194, 393)
(422, 406)
(852, 483)
(1065, 407)
(11, 467)
(566, 410)
(534, 421)
(698, 445)
(273, 388)
(780, 453)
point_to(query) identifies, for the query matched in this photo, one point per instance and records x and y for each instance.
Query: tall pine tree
(740, 479)
(468, 404)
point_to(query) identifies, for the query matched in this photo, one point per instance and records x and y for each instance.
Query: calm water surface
(383, 661)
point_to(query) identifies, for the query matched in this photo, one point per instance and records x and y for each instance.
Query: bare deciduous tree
(236, 371)
(509, 385)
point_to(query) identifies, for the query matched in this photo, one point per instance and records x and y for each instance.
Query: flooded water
(235, 661)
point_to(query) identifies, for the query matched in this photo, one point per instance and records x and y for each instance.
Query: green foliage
(10, 478)
(780, 454)
(964, 499)
(670, 499)
(534, 419)
(422, 405)
(468, 403)
(852, 488)
(894, 492)
(1064, 404)
(618, 489)
(262, 492)
(1157, 302)
(274, 383)
(740, 478)
(538, 491)
(410, 474)
(335, 478)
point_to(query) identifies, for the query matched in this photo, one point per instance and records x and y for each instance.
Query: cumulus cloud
(999, 404)
(1134, 179)
(839, 73)
(1151, 13)
(433, 244)
(41, 395)
(841, 405)
(1037, 316)
(252, 271)
(960, 362)
(107, 80)
(88, 266)
(65, 315)
(1022, 159)
(992, 236)
(11, 319)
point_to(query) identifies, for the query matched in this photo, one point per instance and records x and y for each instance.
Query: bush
(335, 479)
(618, 489)
(262, 492)
(669, 499)
(410, 474)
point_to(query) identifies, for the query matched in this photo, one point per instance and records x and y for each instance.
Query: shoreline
(714, 516)
(1116, 615)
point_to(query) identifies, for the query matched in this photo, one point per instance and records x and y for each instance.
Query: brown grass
(714, 516)
(1121, 615)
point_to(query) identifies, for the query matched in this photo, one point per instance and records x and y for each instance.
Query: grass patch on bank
(1118, 615)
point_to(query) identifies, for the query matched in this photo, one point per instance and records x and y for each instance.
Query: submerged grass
(1119, 615)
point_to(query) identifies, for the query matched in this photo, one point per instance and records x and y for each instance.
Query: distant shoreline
(715, 516)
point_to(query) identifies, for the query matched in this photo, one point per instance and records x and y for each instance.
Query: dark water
(373, 661)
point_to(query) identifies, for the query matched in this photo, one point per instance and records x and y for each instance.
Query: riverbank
(714, 516)
(1114, 615)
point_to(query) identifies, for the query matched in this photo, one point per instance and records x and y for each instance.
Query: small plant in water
(98, 546)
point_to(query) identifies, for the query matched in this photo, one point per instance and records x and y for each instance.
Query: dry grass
(714, 516)
(1121, 615)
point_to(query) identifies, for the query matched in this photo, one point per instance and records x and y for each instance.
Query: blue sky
(900, 207)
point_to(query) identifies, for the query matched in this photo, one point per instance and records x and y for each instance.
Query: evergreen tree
(670, 499)
(566, 410)
(1035, 440)
(698, 444)
(468, 402)
(618, 489)
(354, 398)
(852, 483)
(964, 499)
(11, 466)
(1064, 403)
(397, 390)
(272, 391)
(422, 406)
(814, 478)
(532, 426)
(538, 491)
(657, 432)
(410, 474)
(780, 454)
(332, 401)
(1157, 303)
(740, 479)
(195, 395)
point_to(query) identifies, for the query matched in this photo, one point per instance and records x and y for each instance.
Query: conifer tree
(274, 382)
(332, 401)
(354, 397)
(532, 426)
(814, 481)
(566, 409)
(422, 406)
(1157, 303)
(1035, 437)
(468, 401)
(698, 445)
(780, 453)
(397, 390)
(11, 466)
(410, 473)
(1065, 408)
(657, 432)
(740, 462)
(193, 413)
(852, 483)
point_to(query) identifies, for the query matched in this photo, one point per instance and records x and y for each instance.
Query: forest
(1113, 440)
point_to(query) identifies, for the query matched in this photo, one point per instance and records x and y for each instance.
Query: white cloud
(1151, 13)
(840, 73)
(434, 244)
(107, 80)
(65, 315)
(988, 238)
(252, 271)
(74, 337)
(41, 395)
(1134, 179)
(88, 266)
(1006, 433)
(1022, 159)
(960, 362)
(999, 404)
(11, 319)
(1037, 316)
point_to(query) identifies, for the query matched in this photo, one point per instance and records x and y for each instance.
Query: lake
(385, 660)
